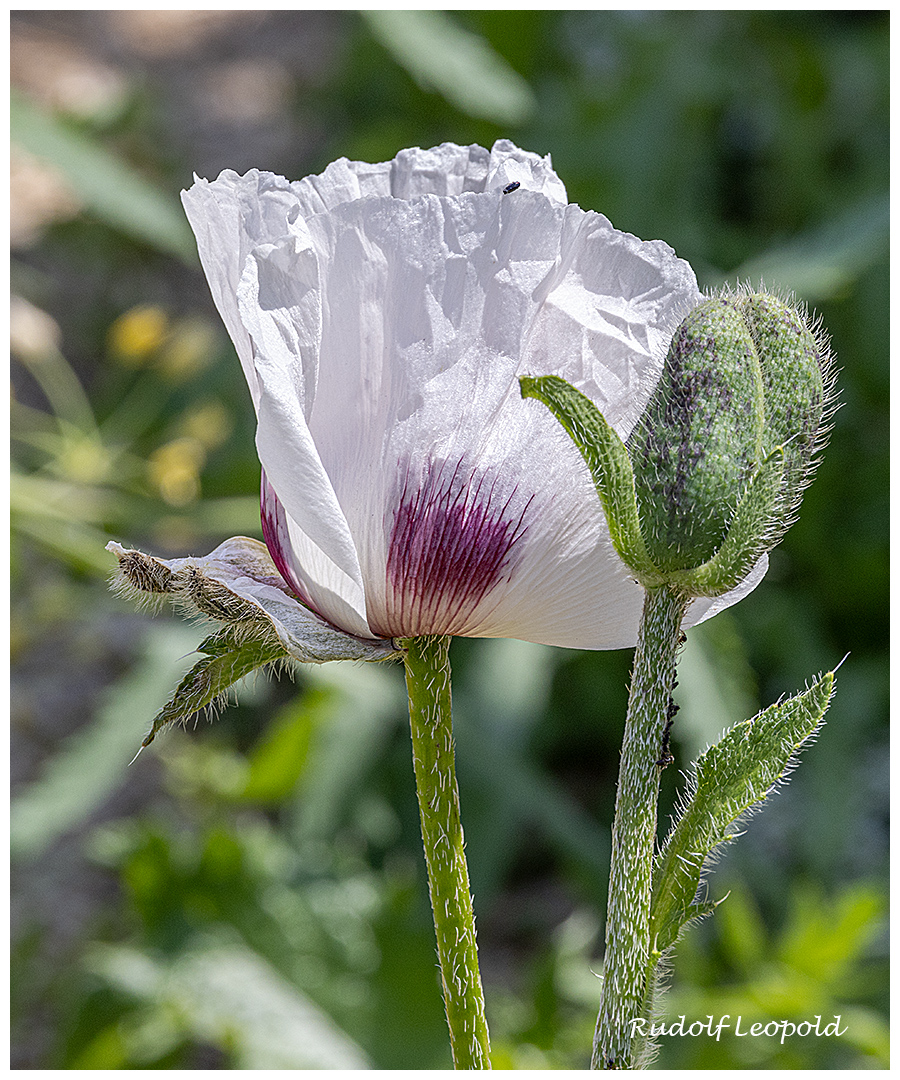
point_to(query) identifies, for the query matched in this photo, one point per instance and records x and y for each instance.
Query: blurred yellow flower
(174, 470)
(187, 351)
(137, 335)
(209, 423)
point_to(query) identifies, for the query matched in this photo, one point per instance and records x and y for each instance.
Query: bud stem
(628, 971)
(428, 685)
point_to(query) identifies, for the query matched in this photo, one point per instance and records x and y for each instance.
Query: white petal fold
(230, 217)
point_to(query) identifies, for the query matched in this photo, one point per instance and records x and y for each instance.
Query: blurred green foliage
(252, 895)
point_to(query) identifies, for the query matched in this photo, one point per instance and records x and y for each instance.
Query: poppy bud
(745, 380)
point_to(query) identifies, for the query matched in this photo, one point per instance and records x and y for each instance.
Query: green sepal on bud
(717, 464)
(606, 457)
(798, 387)
(751, 534)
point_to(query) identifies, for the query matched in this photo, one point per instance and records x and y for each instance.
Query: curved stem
(428, 685)
(627, 978)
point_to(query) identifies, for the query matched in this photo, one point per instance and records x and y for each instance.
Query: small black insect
(666, 756)
(512, 187)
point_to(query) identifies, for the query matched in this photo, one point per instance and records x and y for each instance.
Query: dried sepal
(239, 585)
(142, 579)
(262, 623)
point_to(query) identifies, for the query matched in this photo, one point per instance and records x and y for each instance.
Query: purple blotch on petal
(451, 544)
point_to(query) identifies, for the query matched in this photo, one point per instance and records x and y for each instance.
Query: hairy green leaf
(730, 779)
(230, 654)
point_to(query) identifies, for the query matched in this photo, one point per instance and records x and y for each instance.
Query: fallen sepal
(238, 583)
(238, 586)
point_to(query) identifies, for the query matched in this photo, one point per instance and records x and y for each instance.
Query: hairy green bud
(797, 387)
(746, 379)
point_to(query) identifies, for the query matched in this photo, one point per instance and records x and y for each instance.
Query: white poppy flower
(382, 314)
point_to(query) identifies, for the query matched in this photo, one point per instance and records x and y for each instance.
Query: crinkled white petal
(509, 165)
(443, 170)
(307, 568)
(430, 310)
(387, 328)
(279, 300)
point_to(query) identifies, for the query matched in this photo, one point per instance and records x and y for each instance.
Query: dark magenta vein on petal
(277, 540)
(450, 545)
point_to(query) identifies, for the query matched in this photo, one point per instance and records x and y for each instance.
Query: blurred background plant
(252, 894)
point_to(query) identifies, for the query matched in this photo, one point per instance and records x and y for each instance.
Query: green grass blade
(92, 763)
(462, 67)
(108, 188)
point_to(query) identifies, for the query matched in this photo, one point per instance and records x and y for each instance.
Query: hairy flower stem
(428, 685)
(628, 967)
